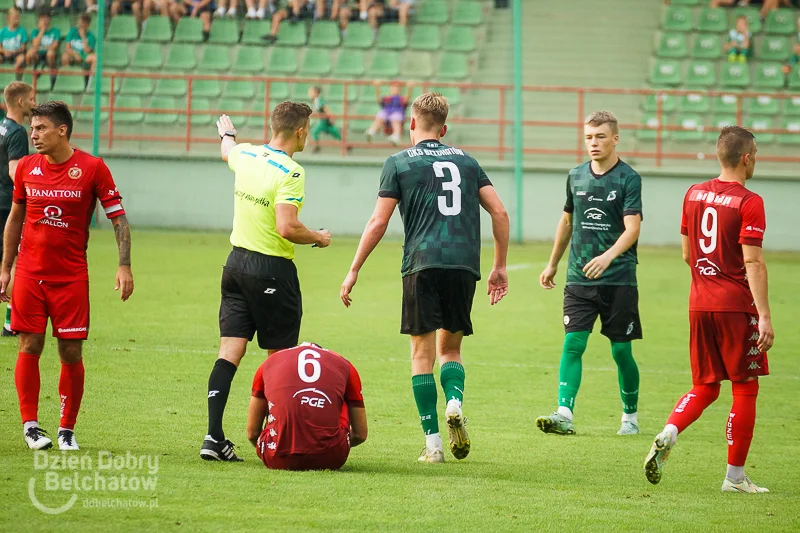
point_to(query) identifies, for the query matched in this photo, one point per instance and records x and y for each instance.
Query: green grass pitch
(147, 364)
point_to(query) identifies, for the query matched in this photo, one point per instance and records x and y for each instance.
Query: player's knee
(70, 351)
(709, 390)
(30, 343)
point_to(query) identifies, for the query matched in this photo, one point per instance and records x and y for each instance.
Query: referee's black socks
(219, 386)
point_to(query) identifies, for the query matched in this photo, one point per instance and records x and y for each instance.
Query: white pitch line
(521, 266)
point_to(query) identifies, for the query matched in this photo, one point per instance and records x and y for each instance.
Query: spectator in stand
(352, 10)
(140, 9)
(28, 5)
(739, 41)
(389, 11)
(787, 69)
(201, 9)
(13, 41)
(766, 5)
(298, 10)
(393, 111)
(80, 43)
(324, 122)
(44, 43)
(66, 5)
(266, 8)
(149, 7)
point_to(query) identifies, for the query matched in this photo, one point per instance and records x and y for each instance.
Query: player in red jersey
(55, 193)
(311, 400)
(729, 318)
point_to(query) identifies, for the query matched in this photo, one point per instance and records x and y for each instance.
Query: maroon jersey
(59, 201)
(718, 218)
(308, 389)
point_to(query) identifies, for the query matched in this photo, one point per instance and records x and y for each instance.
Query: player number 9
(452, 186)
(303, 363)
(708, 227)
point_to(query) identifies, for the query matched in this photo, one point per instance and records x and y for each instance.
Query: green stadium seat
(726, 104)
(224, 31)
(181, 57)
(794, 78)
(758, 125)
(243, 89)
(147, 56)
(137, 86)
(694, 103)
(234, 108)
(753, 15)
(651, 121)
(677, 18)
(163, 103)
(128, 117)
(156, 29)
(171, 87)
(774, 48)
(792, 107)
(105, 84)
(453, 66)
(416, 66)
(249, 60)
(88, 114)
(433, 12)
(468, 13)
(460, 39)
(769, 76)
(712, 20)
(666, 72)
(691, 3)
(67, 98)
(691, 128)
(335, 92)
(115, 55)
(215, 58)
(392, 36)
(350, 63)
(123, 28)
(793, 125)
(425, 37)
(668, 103)
(42, 84)
(291, 35)
(762, 105)
(707, 46)
(253, 30)
(359, 125)
(385, 64)
(61, 22)
(258, 121)
(282, 61)
(300, 90)
(735, 75)
(358, 35)
(780, 22)
(701, 74)
(673, 45)
(717, 123)
(202, 114)
(316, 62)
(189, 30)
(206, 88)
(278, 90)
(324, 33)
(70, 80)
(453, 94)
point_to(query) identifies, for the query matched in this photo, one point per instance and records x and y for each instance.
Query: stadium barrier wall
(186, 193)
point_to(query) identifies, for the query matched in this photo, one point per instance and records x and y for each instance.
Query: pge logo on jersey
(706, 267)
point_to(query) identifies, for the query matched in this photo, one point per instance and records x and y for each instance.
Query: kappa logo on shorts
(566, 320)
(270, 291)
(754, 337)
(753, 321)
(754, 351)
(753, 366)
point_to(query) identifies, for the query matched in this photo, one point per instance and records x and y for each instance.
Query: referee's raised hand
(225, 126)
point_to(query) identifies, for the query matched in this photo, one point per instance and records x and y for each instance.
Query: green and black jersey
(13, 146)
(599, 204)
(437, 186)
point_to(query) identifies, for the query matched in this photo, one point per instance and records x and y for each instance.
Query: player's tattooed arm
(122, 232)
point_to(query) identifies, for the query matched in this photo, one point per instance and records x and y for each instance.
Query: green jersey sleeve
(235, 154)
(292, 188)
(92, 42)
(17, 145)
(390, 185)
(569, 205)
(483, 179)
(633, 195)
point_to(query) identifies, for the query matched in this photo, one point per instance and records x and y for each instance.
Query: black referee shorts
(260, 294)
(438, 298)
(617, 306)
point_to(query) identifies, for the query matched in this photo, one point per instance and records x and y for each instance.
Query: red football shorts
(332, 458)
(725, 346)
(65, 303)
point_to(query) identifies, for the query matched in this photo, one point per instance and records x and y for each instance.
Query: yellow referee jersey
(265, 177)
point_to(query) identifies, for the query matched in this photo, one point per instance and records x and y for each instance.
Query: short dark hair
(57, 112)
(87, 18)
(288, 117)
(732, 144)
(46, 14)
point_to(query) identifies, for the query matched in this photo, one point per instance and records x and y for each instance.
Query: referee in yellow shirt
(260, 289)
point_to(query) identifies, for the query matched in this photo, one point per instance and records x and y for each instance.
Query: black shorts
(617, 305)
(12, 58)
(260, 293)
(438, 298)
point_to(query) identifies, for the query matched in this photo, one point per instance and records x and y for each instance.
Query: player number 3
(708, 227)
(303, 362)
(452, 186)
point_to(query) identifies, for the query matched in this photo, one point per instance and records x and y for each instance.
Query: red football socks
(26, 378)
(691, 406)
(741, 422)
(70, 388)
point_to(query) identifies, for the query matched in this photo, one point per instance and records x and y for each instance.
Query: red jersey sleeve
(20, 195)
(684, 222)
(352, 394)
(754, 221)
(106, 191)
(258, 383)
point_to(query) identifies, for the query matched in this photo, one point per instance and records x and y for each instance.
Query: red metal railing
(497, 124)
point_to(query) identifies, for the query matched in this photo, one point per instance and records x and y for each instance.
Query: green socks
(628, 375)
(569, 374)
(424, 388)
(452, 379)
(7, 323)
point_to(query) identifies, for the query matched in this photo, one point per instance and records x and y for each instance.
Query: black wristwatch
(228, 134)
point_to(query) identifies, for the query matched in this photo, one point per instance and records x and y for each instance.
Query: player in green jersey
(45, 41)
(13, 41)
(602, 217)
(324, 123)
(440, 190)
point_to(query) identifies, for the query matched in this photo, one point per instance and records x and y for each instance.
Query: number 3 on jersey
(708, 227)
(451, 186)
(303, 362)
